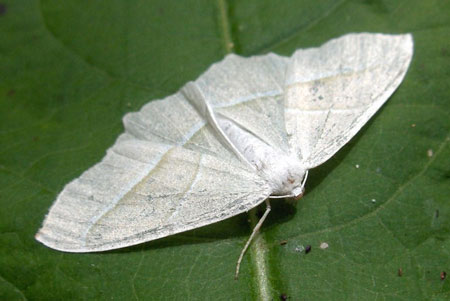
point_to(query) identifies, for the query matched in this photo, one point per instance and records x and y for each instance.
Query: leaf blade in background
(72, 69)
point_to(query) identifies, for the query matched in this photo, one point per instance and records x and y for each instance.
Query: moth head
(299, 189)
(298, 192)
(292, 181)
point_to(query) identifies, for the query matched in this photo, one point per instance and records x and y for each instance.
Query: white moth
(245, 131)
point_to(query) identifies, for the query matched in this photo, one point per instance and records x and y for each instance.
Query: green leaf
(69, 70)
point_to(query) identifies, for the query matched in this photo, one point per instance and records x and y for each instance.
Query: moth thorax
(283, 172)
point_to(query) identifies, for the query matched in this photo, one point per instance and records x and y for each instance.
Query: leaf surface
(71, 69)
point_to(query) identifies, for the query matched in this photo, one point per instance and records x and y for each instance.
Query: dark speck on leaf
(443, 275)
(307, 249)
(283, 242)
(11, 92)
(2, 9)
(400, 272)
(436, 214)
(283, 297)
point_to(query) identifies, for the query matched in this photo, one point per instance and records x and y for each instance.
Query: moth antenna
(255, 230)
(304, 179)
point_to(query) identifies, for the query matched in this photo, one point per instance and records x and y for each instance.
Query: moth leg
(255, 230)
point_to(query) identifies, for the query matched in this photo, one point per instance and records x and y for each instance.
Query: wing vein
(322, 130)
(193, 182)
(114, 203)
